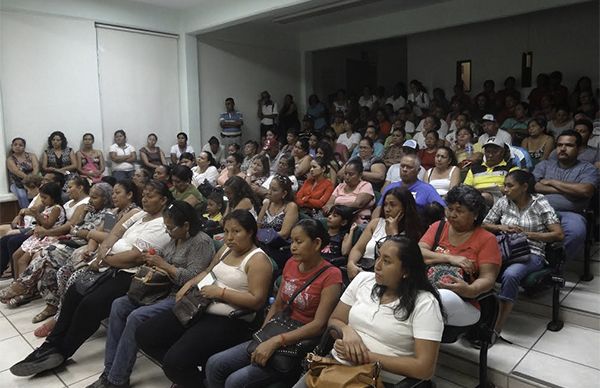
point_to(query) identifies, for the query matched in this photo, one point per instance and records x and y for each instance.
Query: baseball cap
(488, 117)
(410, 144)
(494, 141)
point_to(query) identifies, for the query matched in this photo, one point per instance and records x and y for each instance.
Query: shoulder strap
(438, 234)
(308, 282)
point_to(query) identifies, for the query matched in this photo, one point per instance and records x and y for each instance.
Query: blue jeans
(121, 348)
(514, 274)
(21, 195)
(574, 227)
(232, 368)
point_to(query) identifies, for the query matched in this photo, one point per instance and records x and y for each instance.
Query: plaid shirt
(535, 218)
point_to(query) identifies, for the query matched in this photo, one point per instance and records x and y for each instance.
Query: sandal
(20, 300)
(11, 291)
(46, 313)
(45, 329)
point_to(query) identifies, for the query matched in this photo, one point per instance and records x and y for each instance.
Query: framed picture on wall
(463, 74)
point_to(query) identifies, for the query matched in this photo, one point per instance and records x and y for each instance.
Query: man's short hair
(574, 133)
(588, 124)
(230, 99)
(414, 157)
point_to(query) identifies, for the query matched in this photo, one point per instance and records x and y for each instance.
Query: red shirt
(304, 307)
(314, 197)
(480, 248)
(427, 159)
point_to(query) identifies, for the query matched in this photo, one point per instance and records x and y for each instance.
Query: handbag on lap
(287, 358)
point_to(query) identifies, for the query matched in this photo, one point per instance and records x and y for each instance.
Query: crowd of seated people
(365, 200)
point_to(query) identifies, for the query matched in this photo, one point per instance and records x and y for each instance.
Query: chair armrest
(485, 295)
(241, 313)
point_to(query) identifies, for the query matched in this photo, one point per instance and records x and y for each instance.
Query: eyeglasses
(171, 230)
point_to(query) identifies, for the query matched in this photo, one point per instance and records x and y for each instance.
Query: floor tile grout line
(566, 359)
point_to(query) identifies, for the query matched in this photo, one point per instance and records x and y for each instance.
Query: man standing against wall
(231, 124)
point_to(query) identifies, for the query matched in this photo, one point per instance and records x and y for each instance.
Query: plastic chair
(551, 275)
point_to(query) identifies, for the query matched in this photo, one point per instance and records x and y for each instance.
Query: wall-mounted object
(463, 74)
(526, 68)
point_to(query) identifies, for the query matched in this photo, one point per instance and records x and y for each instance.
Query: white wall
(240, 63)
(49, 79)
(563, 39)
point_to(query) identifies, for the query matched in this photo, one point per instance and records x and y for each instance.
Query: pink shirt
(342, 197)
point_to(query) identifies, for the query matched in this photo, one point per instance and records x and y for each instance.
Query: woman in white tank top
(399, 208)
(445, 175)
(242, 274)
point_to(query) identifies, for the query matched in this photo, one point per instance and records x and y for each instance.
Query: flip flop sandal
(20, 300)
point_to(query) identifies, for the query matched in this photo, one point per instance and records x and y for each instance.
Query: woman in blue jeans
(235, 367)
(521, 210)
(189, 252)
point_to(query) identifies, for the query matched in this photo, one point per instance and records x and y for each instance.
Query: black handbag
(514, 248)
(287, 358)
(90, 280)
(149, 284)
(191, 305)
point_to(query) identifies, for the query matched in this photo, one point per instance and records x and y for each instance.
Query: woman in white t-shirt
(418, 98)
(122, 156)
(86, 302)
(181, 147)
(406, 307)
(349, 138)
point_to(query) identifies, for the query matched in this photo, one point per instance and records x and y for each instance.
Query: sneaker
(98, 383)
(42, 359)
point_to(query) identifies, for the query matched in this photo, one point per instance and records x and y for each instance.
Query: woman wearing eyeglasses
(188, 253)
(399, 209)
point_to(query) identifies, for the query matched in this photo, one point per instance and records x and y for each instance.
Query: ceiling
(178, 5)
(309, 14)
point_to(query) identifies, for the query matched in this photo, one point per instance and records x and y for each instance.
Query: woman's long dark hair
(415, 229)
(246, 220)
(414, 280)
(240, 190)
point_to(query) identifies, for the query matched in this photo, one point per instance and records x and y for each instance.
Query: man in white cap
(490, 126)
(410, 147)
(488, 177)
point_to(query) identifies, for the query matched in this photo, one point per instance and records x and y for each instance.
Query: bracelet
(222, 293)
(282, 343)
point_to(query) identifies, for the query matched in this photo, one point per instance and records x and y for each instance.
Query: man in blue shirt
(423, 192)
(568, 185)
(231, 124)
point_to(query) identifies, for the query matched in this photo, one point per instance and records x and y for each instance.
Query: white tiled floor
(17, 341)
(537, 357)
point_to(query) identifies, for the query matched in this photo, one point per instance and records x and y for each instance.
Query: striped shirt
(534, 218)
(483, 177)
